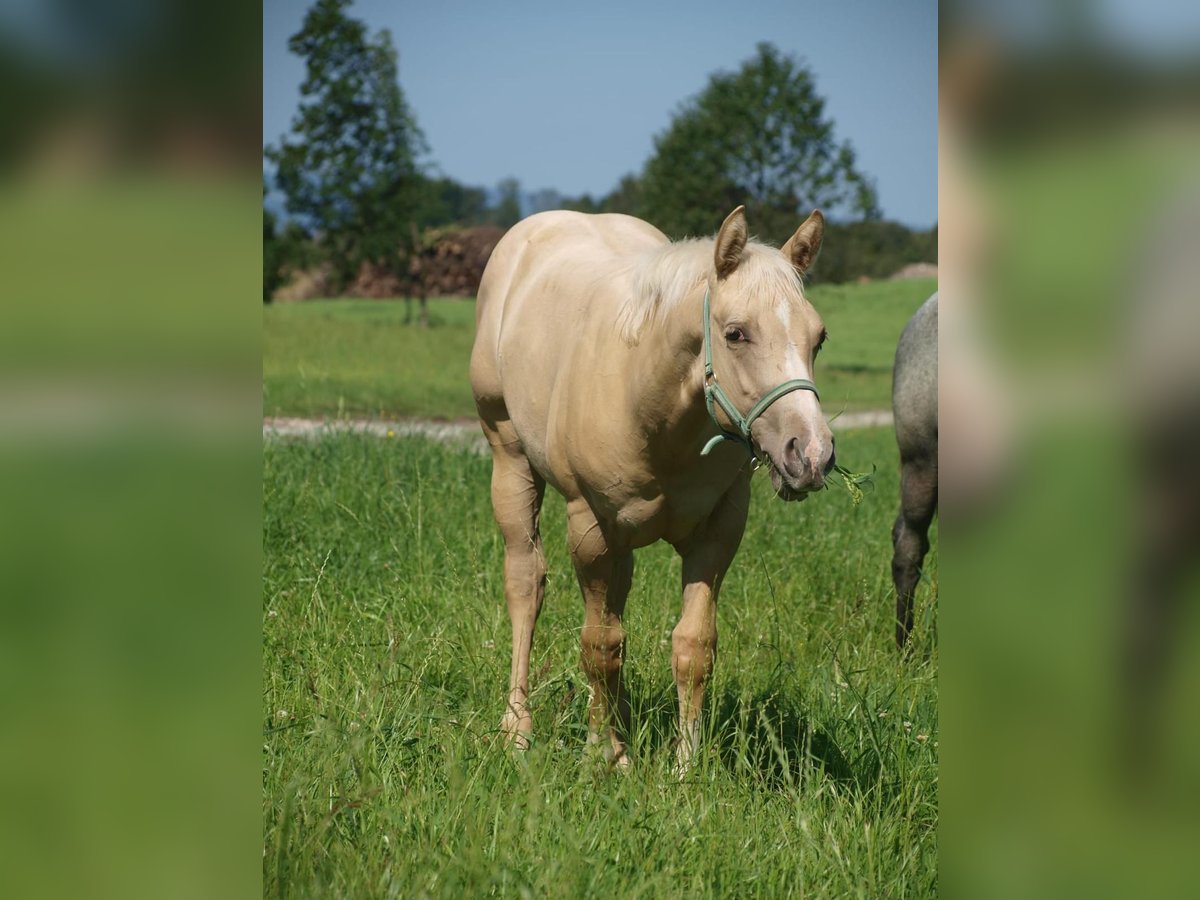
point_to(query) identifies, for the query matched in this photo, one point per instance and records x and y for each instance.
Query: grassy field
(385, 661)
(358, 358)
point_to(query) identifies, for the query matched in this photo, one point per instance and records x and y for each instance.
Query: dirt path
(468, 429)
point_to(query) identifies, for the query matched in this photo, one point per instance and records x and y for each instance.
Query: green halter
(713, 391)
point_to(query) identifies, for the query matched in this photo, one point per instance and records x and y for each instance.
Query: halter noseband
(714, 392)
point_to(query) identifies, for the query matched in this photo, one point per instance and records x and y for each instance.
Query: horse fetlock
(687, 746)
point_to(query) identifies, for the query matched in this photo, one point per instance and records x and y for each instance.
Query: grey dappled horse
(915, 406)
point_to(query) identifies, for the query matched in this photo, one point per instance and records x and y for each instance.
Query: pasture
(386, 653)
(357, 357)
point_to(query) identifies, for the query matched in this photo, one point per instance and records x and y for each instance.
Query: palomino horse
(915, 406)
(595, 368)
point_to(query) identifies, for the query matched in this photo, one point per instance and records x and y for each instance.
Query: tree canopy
(757, 136)
(360, 196)
(351, 167)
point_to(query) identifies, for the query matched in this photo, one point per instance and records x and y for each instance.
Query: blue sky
(569, 95)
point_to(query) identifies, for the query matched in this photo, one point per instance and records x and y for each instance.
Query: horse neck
(668, 374)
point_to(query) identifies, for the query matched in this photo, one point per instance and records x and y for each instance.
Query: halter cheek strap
(713, 393)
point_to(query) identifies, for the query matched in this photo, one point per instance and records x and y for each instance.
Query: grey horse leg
(910, 537)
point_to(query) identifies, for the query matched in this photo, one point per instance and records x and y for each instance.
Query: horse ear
(803, 246)
(731, 241)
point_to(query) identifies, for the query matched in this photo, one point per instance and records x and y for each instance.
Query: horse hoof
(607, 756)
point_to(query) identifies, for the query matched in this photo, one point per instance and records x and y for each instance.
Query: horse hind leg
(910, 538)
(517, 493)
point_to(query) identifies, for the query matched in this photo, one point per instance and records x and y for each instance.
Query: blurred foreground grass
(129, 471)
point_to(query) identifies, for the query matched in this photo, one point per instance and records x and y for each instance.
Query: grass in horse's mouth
(855, 483)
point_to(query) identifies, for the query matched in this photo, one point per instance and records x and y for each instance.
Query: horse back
(548, 298)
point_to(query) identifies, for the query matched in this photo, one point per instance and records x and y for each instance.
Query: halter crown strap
(714, 393)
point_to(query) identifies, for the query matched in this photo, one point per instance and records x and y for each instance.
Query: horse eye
(734, 335)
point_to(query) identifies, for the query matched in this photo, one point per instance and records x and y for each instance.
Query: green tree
(272, 267)
(284, 251)
(876, 248)
(351, 167)
(626, 197)
(446, 201)
(585, 203)
(757, 136)
(544, 199)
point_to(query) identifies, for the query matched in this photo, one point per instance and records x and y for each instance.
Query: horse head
(764, 337)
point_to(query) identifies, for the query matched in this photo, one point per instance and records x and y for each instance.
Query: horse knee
(524, 580)
(692, 656)
(525, 564)
(603, 649)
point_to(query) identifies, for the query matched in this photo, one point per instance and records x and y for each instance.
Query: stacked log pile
(916, 270)
(375, 283)
(451, 262)
(304, 284)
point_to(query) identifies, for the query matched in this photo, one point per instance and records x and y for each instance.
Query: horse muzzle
(798, 469)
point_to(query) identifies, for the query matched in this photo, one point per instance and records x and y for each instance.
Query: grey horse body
(915, 407)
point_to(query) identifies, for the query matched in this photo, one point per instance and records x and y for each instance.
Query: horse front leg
(706, 555)
(605, 575)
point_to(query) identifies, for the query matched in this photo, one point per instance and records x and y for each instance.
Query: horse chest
(641, 520)
(645, 519)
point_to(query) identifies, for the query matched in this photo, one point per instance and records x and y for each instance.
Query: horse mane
(660, 278)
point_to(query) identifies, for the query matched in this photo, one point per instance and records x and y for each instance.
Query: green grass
(359, 358)
(385, 659)
(864, 321)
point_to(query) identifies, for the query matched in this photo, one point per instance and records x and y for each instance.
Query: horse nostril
(832, 461)
(793, 459)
